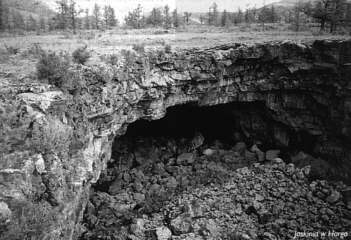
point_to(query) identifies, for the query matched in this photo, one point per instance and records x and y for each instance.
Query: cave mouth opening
(244, 128)
(159, 165)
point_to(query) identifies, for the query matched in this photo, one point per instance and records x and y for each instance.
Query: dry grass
(111, 42)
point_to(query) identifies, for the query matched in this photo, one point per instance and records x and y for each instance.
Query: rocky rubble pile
(178, 189)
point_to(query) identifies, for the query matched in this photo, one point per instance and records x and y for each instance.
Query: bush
(53, 67)
(14, 128)
(110, 59)
(81, 55)
(129, 57)
(31, 221)
(34, 50)
(168, 48)
(12, 50)
(54, 136)
(139, 48)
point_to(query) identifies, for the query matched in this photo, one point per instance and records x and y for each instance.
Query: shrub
(54, 136)
(168, 48)
(110, 59)
(34, 50)
(139, 48)
(31, 221)
(52, 67)
(129, 57)
(14, 127)
(12, 50)
(81, 55)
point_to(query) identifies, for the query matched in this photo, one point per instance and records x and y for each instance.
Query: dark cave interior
(251, 123)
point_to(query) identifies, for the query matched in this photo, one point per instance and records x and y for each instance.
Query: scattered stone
(5, 212)
(260, 155)
(163, 233)
(40, 164)
(208, 152)
(240, 147)
(185, 158)
(137, 228)
(334, 197)
(181, 225)
(204, 197)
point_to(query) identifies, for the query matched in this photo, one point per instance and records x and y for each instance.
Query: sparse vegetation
(53, 136)
(81, 55)
(168, 48)
(30, 221)
(111, 59)
(52, 67)
(13, 50)
(139, 48)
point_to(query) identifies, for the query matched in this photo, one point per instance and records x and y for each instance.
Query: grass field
(21, 65)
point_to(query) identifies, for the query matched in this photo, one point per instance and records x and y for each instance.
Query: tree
(155, 18)
(273, 15)
(187, 16)
(264, 16)
(1, 16)
(109, 17)
(224, 19)
(134, 18)
(213, 14)
(175, 18)
(97, 16)
(62, 14)
(86, 19)
(167, 17)
(240, 16)
(18, 21)
(337, 14)
(42, 24)
(113, 20)
(73, 14)
(31, 23)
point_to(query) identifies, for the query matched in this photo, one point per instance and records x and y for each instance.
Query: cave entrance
(191, 148)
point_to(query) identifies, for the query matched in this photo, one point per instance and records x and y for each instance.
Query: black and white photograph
(175, 119)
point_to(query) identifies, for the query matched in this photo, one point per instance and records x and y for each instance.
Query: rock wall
(305, 87)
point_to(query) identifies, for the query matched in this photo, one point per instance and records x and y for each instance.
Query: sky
(122, 7)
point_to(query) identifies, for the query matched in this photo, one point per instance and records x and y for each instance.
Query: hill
(30, 7)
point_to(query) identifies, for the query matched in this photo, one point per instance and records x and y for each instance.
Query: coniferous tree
(73, 15)
(87, 19)
(42, 24)
(109, 17)
(167, 17)
(112, 17)
(62, 17)
(31, 23)
(213, 14)
(224, 19)
(175, 18)
(18, 21)
(134, 18)
(155, 18)
(97, 16)
(2, 25)
(187, 16)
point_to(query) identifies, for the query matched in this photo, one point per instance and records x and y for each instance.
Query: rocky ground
(162, 189)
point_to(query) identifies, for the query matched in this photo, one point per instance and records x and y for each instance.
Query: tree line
(329, 14)
(67, 17)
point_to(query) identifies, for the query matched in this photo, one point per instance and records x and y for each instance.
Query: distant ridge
(35, 8)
